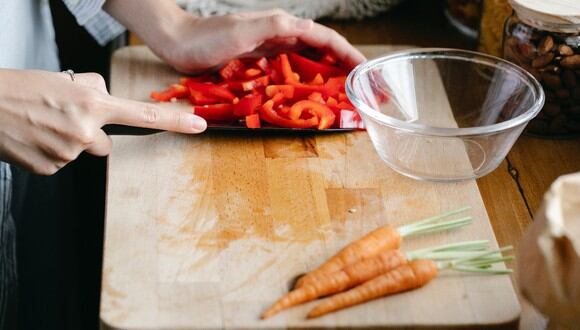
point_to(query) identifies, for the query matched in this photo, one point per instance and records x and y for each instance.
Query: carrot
(339, 281)
(412, 275)
(381, 239)
(366, 269)
(407, 277)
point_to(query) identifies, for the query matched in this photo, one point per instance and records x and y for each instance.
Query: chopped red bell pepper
(278, 99)
(345, 106)
(211, 90)
(336, 84)
(253, 121)
(198, 98)
(328, 59)
(331, 102)
(231, 69)
(268, 114)
(308, 68)
(248, 105)
(174, 91)
(286, 90)
(248, 85)
(215, 112)
(316, 97)
(305, 92)
(318, 80)
(322, 112)
(263, 64)
(251, 73)
(287, 73)
(276, 71)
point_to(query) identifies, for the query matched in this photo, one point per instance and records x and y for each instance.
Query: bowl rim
(448, 53)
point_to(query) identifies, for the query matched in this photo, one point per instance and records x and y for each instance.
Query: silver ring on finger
(71, 73)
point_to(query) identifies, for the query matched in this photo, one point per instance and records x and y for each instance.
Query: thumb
(148, 115)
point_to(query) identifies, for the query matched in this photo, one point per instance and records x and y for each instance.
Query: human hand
(47, 120)
(210, 41)
(192, 43)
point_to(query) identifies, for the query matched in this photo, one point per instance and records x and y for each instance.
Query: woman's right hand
(47, 120)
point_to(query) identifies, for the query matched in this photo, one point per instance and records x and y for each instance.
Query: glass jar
(551, 53)
(464, 15)
(495, 13)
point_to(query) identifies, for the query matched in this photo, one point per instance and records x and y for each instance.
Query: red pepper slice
(322, 112)
(252, 73)
(231, 69)
(286, 90)
(211, 90)
(316, 97)
(287, 73)
(331, 102)
(328, 59)
(253, 121)
(335, 84)
(276, 71)
(248, 85)
(268, 114)
(248, 105)
(308, 68)
(215, 112)
(318, 80)
(198, 98)
(264, 65)
(278, 99)
(174, 91)
(345, 106)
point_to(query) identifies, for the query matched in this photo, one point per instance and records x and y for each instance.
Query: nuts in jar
(550, 51)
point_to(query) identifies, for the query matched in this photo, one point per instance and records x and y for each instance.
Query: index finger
(149, 115)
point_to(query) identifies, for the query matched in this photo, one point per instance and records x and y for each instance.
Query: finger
(92, 80)
(323, 37)
(148, 115)
(262, 13)
(31, 159)
(281, 25)
(312, 34)
(89, 79)
(101, 146)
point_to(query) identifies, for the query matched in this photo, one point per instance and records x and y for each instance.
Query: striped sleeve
(97, 22)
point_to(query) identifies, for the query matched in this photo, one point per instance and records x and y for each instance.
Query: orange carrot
(354, 274)
(381, 239)
(410, 276)
(341, 280)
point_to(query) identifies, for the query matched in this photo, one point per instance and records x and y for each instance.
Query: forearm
(156, 22)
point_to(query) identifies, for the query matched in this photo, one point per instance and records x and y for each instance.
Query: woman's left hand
(191, 43)
(211, 41)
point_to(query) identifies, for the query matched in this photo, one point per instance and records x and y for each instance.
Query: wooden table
(513, 192)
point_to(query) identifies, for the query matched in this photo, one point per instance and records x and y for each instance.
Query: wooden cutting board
(206, 231)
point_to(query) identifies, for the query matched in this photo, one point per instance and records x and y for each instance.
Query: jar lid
(559, 12)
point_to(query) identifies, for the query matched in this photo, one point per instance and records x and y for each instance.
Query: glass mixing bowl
(443, 114)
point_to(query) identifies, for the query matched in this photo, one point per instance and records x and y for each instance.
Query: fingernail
(198, 123)
(304, 24)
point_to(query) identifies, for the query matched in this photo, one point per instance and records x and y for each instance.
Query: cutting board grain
(204, 232)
